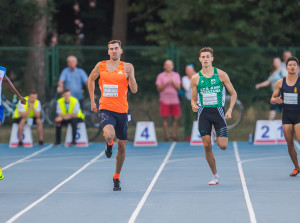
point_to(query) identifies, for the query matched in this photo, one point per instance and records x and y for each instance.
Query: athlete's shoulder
(222, 75)
(279, 83)
(195, 78)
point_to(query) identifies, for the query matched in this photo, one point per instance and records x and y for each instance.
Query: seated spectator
(68, 111)
(29, 113)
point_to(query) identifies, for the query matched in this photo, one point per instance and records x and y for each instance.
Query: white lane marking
(28, 157)
(266, 158)
(246, 193)
(144, 198)
(18, 215)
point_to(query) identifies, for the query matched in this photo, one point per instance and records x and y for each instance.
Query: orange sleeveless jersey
(114, 87)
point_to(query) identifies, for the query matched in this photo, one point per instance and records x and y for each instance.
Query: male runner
(289, 87)
(209, 84)
(115, 76)
(5, 79)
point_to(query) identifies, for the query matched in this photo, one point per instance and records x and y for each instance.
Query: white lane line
(144, 198)
(297, 144)
(246, 193)
(18, 215)
(27, 157)
(266, 158)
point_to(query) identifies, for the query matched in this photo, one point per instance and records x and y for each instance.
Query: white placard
(196, 138)
(268, 132)
(26, 138)
(145, 134)
(81, 135)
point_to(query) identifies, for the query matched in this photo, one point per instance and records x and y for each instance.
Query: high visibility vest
(62, 105)
(30, 114)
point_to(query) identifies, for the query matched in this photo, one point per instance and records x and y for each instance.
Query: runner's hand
(128, 70)
(93, 107)
(278, 100)
(195, 108)
(228, 114)
(23, 101)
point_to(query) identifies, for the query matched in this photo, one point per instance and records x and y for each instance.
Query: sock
(117, 175)
(110, 143)
(216, 175)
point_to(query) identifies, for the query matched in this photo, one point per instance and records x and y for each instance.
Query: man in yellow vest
(29, 113)
(68, 110)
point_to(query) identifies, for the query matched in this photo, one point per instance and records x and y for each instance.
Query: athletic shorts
(118, 120)
(1, 114)
(166, 110)
(276, 107)
(290, 117)
(212, 116)
(17, 120)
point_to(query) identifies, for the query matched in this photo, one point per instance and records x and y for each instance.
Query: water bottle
(250, 138)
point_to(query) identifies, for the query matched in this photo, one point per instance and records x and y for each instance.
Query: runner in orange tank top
(114, 78)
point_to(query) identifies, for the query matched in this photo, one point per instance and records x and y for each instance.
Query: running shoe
(214, 181)
(294, 173)
(1, 174)
(116, 185)
(108, 150)
(20, 144)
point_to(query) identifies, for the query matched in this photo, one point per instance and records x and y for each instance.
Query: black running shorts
(290, 117)
(118, 120)
(212, 116)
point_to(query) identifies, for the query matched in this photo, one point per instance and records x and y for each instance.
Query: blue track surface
(180, 193)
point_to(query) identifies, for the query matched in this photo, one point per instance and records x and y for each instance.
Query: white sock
(216, 175)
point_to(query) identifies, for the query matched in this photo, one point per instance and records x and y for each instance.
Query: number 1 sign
(269, 132)
(145, 134)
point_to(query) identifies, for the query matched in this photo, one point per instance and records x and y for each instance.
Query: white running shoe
(214, 181)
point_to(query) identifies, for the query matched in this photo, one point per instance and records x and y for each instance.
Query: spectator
(285, 56)
(277, 73)
(29, 113)
(168, 83)
(68, 110)
(73, 78)
(186, 84)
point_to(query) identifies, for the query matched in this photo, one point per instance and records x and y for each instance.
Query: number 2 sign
(268, 132)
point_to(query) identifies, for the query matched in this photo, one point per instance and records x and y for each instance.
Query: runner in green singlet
(209, 84)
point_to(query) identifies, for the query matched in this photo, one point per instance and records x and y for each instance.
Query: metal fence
(245, 65)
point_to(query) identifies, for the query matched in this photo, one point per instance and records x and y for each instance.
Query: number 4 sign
(145, 134)
(269, 132)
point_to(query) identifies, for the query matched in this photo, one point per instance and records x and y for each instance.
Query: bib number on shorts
(210, 99)
(290, 98)
(110, 90)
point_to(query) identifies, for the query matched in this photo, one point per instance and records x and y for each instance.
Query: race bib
(210, 99)
(110, 90)
(290, 98)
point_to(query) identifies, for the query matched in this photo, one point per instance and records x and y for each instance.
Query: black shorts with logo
(118, 120)
(212, 116)
(290, 117)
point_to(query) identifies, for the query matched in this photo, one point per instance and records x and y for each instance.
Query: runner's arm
(227, 83)
(275, 99)
(194, 83)
(7, 81)
(129, 69)
(91, 86)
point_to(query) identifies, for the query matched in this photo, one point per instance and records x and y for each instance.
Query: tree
(120, 21)
(35, 76)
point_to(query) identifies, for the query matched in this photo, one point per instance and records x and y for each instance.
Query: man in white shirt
(29, 113)
(186, 84)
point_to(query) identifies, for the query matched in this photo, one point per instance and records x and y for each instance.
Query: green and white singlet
(211, 91)
(211, 108)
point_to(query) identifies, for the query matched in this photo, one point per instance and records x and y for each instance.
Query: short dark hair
(66, 90)
(207, 49)
(115, 41)
(32, 91)
(292, 59)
